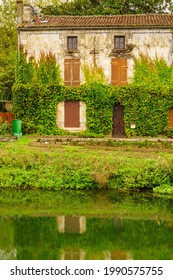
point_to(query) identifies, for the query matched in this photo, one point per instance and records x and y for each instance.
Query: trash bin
(17, 128)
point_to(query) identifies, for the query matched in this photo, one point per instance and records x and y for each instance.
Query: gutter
(43, 28)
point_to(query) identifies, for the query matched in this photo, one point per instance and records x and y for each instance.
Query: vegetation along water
(28, 164)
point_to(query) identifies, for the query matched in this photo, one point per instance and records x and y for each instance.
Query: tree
(8, 42)
(108, 7)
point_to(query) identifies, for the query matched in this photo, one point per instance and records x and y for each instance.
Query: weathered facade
(112, 42)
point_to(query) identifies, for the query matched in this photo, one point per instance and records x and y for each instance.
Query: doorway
(118, 121)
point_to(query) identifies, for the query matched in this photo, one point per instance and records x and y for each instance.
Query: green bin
(17, 128)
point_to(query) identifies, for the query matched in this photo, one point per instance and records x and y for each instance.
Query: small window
(119, 42)
(72, 43)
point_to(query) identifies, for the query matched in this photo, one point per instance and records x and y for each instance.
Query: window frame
(72, 43)
(119, 45)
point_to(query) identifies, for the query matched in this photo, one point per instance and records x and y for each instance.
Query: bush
(5, 127)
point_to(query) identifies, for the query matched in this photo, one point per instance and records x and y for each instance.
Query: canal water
(134, 226)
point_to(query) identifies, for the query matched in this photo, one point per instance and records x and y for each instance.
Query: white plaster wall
(154, 42)
(151, 42)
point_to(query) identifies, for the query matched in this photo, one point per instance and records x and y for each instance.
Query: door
(118, 121)
(171, 117)
(72, 72)
(72, 114)
(119, 71)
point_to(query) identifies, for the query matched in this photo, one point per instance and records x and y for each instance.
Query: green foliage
(134, 174)
(8, 42)
(152, 72)
(99, 108)
(47, 71)
(147, 100)
(106, 7)
(147, 108)
(74, 168)
(169, 132)
(5, 127)
(164, 189)
(94, 74)
(24, 69)
(44, 71)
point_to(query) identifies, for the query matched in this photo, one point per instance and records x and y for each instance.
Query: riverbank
(139, 165)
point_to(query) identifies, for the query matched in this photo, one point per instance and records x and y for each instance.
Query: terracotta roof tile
(143, 20)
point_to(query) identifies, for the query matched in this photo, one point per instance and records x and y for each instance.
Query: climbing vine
(38, 90)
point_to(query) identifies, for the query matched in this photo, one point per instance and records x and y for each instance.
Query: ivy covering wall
(37, 92)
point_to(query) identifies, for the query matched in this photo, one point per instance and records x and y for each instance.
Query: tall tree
(8, 42)
(108, 7)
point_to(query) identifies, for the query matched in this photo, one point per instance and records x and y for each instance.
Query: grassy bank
(27, 166)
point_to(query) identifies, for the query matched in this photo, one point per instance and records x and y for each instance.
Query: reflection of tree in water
(8, 255)
(7, 244)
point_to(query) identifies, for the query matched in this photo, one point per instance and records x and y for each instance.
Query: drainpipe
(18, 43)
(19, 4)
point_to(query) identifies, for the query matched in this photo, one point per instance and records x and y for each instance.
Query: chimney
(19, 12)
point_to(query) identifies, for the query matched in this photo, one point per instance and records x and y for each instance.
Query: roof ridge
(126, 15)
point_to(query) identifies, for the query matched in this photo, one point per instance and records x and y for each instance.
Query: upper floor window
(119, 42)
(72, 42)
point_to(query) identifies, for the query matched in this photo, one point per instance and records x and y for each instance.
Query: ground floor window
(71, 115)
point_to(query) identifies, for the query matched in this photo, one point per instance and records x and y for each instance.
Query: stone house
(111, 42)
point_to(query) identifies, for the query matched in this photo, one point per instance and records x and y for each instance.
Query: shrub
(5, 127)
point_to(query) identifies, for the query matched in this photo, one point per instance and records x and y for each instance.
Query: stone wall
(98, 46)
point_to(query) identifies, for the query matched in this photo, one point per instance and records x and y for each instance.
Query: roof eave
(36, 28)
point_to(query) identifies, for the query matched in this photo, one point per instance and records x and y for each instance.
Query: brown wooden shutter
(123, 71)
(115, 72)
(171, 117)
(119, 71)
(67, 72)
(72, 72)
(76, 72)
(71, 114)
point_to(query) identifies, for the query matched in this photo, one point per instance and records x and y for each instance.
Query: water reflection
(79, 237)
(68, 224)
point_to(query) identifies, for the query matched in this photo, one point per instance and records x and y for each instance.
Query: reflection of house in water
(118, 224)
(72, 225)
(117, 255)
(73, 254)
(68, 224)
(77, 225)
